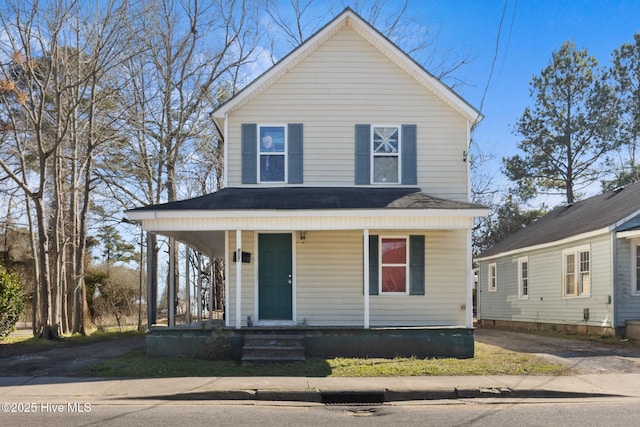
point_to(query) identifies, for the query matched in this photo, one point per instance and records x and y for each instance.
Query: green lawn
(488, 360)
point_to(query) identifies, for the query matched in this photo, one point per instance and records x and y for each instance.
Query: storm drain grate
(353, 398)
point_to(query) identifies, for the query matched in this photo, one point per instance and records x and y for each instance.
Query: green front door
(274, 276)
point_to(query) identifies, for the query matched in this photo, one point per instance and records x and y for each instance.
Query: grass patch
(29, 341)
(488, 360)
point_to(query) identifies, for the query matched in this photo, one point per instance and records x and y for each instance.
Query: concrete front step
(272, 348)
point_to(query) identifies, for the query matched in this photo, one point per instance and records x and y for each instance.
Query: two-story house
(346, 196)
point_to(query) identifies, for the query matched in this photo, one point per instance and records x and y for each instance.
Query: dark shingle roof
(584, 216)
(272, 198)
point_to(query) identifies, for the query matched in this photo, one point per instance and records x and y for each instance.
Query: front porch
(218, 342)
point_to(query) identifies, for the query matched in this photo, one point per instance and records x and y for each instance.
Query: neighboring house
(346, 194)
(576, 268)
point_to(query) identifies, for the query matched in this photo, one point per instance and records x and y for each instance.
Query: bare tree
(190, 54)
(58, 89)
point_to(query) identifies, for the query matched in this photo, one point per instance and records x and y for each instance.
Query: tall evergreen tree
(568, 131)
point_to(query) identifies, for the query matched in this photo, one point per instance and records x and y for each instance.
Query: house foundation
(213, 342)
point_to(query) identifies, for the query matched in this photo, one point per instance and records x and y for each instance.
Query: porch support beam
(187, 281)
(365, 285)
(152, 285)
(469, 269)
(171, 297)
(227, 262)
(238, 278)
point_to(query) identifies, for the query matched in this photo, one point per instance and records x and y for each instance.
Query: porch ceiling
(209, 242)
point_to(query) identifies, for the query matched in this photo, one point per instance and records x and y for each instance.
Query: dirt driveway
(614, 356)
(587, 357)
(65, 360)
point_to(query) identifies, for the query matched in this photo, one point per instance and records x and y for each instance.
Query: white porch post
(171, 297)
(227, 261)
(365, 244)
(187, 281)
(469, 261)
(238, 278)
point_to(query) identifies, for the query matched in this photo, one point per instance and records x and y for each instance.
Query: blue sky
(531, 31)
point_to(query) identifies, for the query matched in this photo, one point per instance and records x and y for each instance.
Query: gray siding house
(346, 195)
(576, 268)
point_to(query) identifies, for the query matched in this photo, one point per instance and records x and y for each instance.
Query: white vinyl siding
(344, 82)
(546, 303)
(445, 286)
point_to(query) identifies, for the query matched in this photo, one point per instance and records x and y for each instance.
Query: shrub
(11, 301)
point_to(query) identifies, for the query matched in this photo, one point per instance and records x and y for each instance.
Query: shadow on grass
(136, 365)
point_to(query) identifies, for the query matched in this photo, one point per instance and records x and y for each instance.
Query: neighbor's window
(523, 277)
(394, 255)
(576, 267)
(385, 146)
(493, 277)
(635, 265)
(272, 149)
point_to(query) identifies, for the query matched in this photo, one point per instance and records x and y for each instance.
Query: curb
(374, 396)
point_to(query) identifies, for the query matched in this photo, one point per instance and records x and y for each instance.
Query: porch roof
(312, 198)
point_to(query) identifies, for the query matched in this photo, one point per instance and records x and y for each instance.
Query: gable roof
(316, 198)
(373, 36)
(604, 212)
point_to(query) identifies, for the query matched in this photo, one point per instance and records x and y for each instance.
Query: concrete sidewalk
(311, 389)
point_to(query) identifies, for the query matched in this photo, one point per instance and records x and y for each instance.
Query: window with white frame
(272, 153)
(385, 154)
(492, 277)
(523, 277)
(394, 265)
(635, 266)
(576, 271)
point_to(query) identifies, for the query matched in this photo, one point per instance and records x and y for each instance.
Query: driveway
(585, 356)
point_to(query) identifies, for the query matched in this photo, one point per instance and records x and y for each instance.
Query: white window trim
(407, 271)
(522, 260)
(576, 252)
(373, 154)
(492, 285)
(634, 267)
(285, 153)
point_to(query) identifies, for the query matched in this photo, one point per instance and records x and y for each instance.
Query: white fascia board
(315, 213)
(630, 234)
(571, 239)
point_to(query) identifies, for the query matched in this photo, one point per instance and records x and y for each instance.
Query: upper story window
(523, 277)
(272, 149)
(576, 271)
(385, 154)
(492, 277)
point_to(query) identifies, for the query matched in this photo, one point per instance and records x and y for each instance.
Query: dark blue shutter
(373, 265)
(295, 153)
(249, 153)
(409, 155)
(363, 153)
(416, 265)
